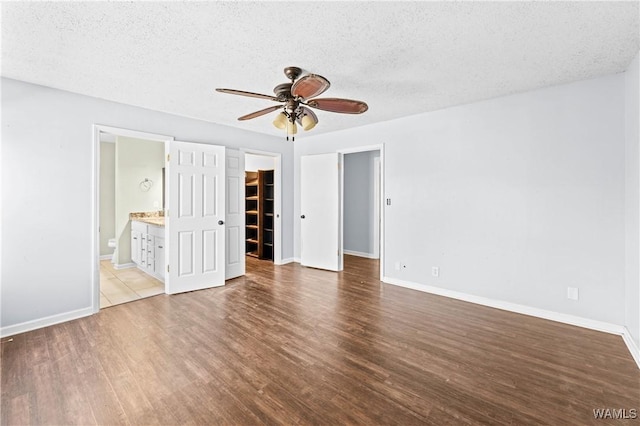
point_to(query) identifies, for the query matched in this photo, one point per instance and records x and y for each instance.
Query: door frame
(367, 148)
(277, 200)
(95, 222)
(376, 214)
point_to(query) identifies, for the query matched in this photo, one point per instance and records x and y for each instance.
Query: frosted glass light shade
(292, 129)
(307, 122)
(281, 121)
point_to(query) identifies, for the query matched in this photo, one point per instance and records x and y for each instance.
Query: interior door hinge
(167, 268)
(168, 157)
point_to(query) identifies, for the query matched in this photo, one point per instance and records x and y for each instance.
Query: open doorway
(362, 204)
(129, 215)
(361, 208)
(324, 203)
(262, 208)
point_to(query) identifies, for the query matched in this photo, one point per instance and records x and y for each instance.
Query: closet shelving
(259, 193)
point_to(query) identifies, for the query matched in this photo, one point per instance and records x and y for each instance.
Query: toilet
(112, 244)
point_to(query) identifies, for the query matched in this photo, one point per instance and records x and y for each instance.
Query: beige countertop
(152, 218)
(158, 221)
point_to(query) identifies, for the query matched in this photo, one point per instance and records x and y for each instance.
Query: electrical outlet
(572, 293)
(435, 271)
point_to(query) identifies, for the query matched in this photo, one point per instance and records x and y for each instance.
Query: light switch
(572, 293)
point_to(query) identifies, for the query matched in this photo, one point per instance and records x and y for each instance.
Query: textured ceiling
(402, 58)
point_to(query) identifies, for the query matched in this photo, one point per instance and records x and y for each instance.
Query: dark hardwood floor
(292, 345)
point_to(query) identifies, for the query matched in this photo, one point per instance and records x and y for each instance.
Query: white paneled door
(235, 231)
(195, 222)
(320, 219)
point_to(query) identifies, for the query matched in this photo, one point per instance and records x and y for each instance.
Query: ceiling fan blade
(344, 106)
(261, 112)
(310, 86)
(249, 94)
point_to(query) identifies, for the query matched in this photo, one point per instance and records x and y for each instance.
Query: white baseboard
(361, 254)
(528, 310)
(124, 265)
(285, 261)
(512, 307)
(631, 345)
(297, 260)
(44, 322)
(106, 256)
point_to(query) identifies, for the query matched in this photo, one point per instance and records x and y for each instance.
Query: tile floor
(124, 285)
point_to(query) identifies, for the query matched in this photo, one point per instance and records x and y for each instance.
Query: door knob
(302, 217)
(221, 222)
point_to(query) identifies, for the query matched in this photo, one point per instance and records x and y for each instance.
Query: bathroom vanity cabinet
(147, 248)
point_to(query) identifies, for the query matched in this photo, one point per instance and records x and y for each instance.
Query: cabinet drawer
(150, 247)
(139, 226)
(157, 231)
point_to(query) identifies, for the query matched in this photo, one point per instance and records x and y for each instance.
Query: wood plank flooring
(293, 345)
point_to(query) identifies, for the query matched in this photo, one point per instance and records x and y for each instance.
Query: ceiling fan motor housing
(292, 72)
(283, 91)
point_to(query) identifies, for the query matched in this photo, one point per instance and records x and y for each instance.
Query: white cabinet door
(320, 226)
(135, 247)
(159, 257)
(195, 223)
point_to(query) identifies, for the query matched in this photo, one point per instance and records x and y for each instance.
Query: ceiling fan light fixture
(297, 98)
(308, 122)
(281, 121)
(292, 128)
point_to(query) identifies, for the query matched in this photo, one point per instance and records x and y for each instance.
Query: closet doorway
(262, 207)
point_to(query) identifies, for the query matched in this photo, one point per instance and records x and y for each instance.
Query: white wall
(514, 198)
(107, 195)
(47, 181)
(632, 207)
(254, 162)
(136, 160)
(359, 203)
